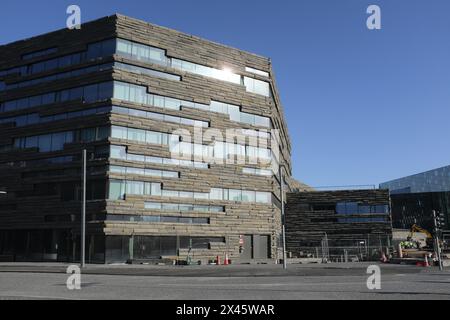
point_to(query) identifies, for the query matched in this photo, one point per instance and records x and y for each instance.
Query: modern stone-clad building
(183, 135)
(340, 220)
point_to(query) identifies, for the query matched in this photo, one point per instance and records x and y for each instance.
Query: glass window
(340, 208)
(64, 61)
(115, 190)
(235, 195)
(156, 189)
(76, 93)
(186, 195)
(118, 152)
(153, 137)
(170, 193)
(247, 118)
(35, 101)
(94, 50)
(256, 71)
(121, 91)
(153, 205)
(263, 197)
(352, 208)
(123, 46)
(108, 47)
(58, 141)
(170, 207)
(364, 209)
(135, 187)
(201, 195)
(136, 135)
(216, 194)
(248, 196)
(31, 142)
(103, 133)
(45, 143)
(90, 93)
(105, 90)
(88, 134)
(48, 98)
(119, 132)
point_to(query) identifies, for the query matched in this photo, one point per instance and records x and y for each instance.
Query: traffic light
(439, 220)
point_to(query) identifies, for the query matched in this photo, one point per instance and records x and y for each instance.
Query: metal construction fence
(335, 250)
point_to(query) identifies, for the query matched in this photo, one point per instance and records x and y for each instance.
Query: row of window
(56, 141)
(88, 70)
(156, 219)
(90, 93)
(224, 75)
(128, 92)
(73, 217)
(151, 54)
(176, 207)
(146, 71)
(39, 53)
(363, 220)
(67, 191)
(99, 152)
(360, 208)
(140, 135)
(60, 76)
(140, 52)
(258, 172)
(95, 50)
(257, 71)
(160, 117)
(40, 162)
(120, 152)
(138, 94)
(119, 188)
(144, 172)
(63, 172)
(219, 150)
(34, 118)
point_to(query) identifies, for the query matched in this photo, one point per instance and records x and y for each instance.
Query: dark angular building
(346, 219)
(415, 197)
(133, 94)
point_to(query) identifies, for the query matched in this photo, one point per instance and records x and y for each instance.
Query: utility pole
(437, 246)
(283, 220)
(83, 210)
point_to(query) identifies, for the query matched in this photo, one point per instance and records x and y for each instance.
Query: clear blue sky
(362, 106)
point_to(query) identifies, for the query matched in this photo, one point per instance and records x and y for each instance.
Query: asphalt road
(229, 283)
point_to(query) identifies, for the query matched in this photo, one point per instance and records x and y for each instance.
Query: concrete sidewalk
(332, 269)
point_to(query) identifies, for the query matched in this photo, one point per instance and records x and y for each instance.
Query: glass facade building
(415, 197)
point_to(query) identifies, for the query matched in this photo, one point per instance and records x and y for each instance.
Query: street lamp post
(437, 247)
(283, 220)
(83, 211)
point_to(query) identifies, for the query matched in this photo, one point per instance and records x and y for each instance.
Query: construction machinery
(428, 240)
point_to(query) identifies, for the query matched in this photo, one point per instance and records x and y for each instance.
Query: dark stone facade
(347, 218)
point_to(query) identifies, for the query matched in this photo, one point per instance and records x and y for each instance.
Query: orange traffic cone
(218, 260)
(226, 261)
(426, 261)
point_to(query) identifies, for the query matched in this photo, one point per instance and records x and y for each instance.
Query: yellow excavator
(429, 237)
